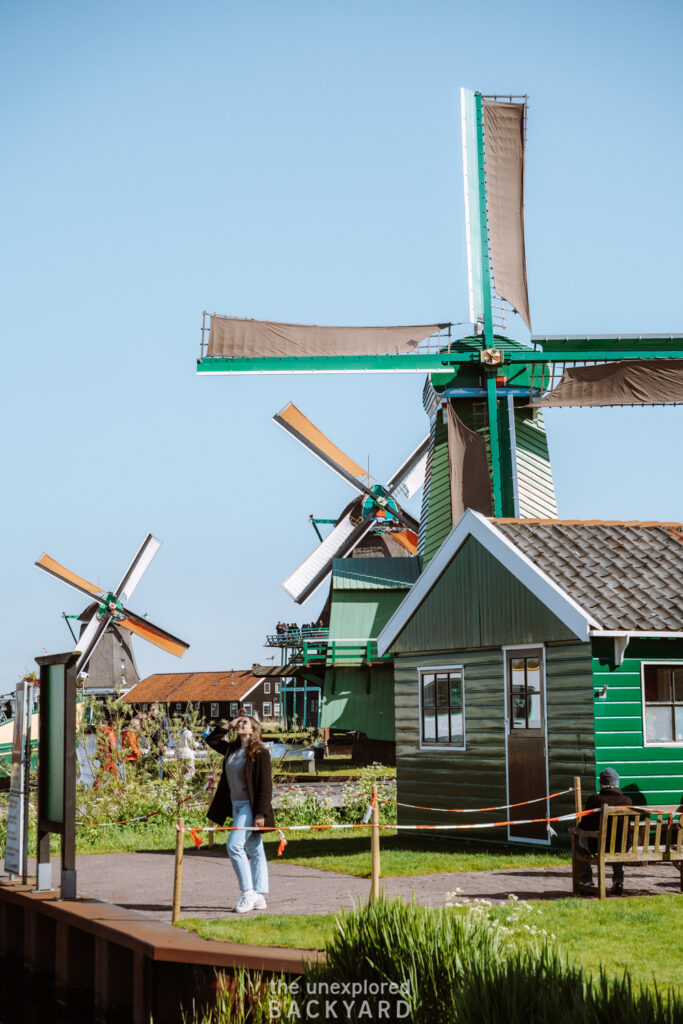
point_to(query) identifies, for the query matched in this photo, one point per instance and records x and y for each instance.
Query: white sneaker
(259, 902)
(247, 902)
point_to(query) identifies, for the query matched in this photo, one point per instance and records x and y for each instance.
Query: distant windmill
(375, 509)
(108, 612)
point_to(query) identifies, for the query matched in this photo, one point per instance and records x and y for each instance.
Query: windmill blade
(318, 566)
(407, 539)
(60, 572)
(155, 634)
(295, 423)
(89, 639)
(410, 475)
(137, 568)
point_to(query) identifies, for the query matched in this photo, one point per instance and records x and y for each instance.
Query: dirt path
(144, 881)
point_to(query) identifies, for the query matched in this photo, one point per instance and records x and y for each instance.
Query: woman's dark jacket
(259, 783)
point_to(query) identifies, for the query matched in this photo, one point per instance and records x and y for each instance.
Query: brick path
(144, 881)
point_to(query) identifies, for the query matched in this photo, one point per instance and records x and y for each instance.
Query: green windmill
(485, 392)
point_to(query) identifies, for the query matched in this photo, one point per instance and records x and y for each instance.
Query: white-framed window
(178, 707)
(442, 707)
(277, 689)
(248, 708)
(276, 709)
(266, 686)
(234, 708)
(662, 687)
(214, 711)
(267, 709)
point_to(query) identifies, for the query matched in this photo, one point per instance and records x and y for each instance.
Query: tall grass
(461, 968)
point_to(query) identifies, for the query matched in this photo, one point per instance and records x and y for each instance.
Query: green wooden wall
(476, 776)
(656, 772)
(360, 698)
(478, 603)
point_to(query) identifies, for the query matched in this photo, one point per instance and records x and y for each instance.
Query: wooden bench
(643, 837)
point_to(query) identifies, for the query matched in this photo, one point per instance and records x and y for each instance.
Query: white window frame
(248, 708)
(440, 747)
(234, 708)
(214, 713)
(277, 689)
(266, 686)
(267, 709)
(674, 744)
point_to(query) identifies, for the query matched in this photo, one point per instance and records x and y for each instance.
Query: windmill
(485, 392)
(107, 612)
(376, 508)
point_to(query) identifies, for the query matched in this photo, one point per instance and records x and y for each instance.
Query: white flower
(511, 896)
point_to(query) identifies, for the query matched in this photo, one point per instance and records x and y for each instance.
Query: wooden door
(526, 750)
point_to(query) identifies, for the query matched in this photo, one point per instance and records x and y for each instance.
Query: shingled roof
(627, 575)
(596, 576)
(193, 687)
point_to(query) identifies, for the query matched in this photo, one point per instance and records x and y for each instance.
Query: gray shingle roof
(626, 575)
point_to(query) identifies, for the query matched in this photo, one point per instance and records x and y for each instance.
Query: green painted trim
(483, 223)
(494, 440)
(601, 351)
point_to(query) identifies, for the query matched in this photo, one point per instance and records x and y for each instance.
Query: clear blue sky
(295, 161)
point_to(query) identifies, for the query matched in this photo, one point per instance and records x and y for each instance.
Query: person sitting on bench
(611, 795)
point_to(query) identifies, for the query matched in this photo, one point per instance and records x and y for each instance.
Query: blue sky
(295, 161)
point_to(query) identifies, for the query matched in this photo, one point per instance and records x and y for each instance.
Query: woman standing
(244, 794)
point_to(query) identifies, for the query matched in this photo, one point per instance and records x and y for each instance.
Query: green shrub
(356, 796)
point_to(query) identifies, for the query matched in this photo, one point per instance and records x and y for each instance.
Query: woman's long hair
(254, 743)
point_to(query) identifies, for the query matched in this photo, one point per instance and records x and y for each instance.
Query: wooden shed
(531, 651)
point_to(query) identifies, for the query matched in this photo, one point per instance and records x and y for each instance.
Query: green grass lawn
(329, 766)
(349, 854)
(642, 934)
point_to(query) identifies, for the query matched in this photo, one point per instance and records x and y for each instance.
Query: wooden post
(178, 872)
(374, 847)
(578, 800)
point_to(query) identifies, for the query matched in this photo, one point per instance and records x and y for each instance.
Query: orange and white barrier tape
(194, 832)
(474, 810)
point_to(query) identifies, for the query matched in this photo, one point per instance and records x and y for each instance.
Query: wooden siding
(438, 495)
(534, 476)
(476, 776)
(360, 699)
(654, 772)
(478, 603)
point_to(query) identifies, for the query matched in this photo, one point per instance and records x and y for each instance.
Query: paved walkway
(144, 881)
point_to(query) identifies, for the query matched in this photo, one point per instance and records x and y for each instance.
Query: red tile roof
(193, 686)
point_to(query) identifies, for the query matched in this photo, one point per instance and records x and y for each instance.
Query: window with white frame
(266, 686)
(234, 708)
(214, 711)
(248, 708)
(277, 688)
(267, 709)
(663, 703)
(442, 707)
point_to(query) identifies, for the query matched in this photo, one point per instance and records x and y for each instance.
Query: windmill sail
(300, 427)
(317, 567)
(230, 338)
(493, 171)
(504, 149)
(630, 382)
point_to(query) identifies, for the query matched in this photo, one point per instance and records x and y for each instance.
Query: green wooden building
(532, 651)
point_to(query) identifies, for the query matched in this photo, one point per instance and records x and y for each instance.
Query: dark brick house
(217, 695)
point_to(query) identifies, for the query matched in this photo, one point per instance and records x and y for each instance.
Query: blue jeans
(245, 850)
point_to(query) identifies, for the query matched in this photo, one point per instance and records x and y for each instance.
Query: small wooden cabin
(532, 651)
